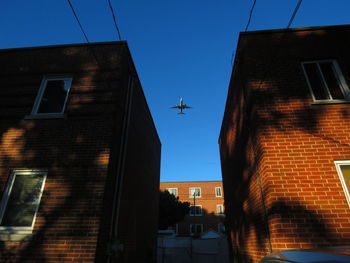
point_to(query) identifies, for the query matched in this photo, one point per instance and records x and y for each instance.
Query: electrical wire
(76, 18)
(294, 13)
(246, 27)
(114, 20)
(83, 31)
(250, 16)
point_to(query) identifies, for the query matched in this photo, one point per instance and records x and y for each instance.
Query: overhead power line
(86, 38)
(114, 20)
(250, 15)
(76, 18)
(246, 27)
(294, 13)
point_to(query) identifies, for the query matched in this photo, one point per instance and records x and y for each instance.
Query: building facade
(74, 122)
(206, 200)
(285, 141)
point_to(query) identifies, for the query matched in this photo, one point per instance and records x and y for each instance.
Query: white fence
(190, 250)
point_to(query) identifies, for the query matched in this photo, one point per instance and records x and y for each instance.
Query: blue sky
(180, 49)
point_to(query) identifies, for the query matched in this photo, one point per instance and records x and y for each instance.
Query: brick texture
(278, 148)
(81, 153)
(208, 200)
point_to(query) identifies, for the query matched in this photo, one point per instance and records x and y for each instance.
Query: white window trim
(344, 86)
(200, 191)
(6, 230)
(217, 210)
(196, 214)
(220, 191)
(340, 174)
(177, 193)
(195, 226)
(40, 94)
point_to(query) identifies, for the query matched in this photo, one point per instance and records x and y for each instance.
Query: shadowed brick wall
(80, 151)
(278, 147)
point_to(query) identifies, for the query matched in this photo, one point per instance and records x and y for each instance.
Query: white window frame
(222, 209)
(172, 188)
(5, 198)
(41, 93)
(341, 177)
(344, 87)
(196, 214)
(201, 225)
(216, 193)
(197, 196)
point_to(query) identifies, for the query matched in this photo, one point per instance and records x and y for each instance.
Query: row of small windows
(197, 228)
(197, 210)
(195, 191)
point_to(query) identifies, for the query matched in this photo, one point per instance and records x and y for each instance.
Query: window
(52, 96)
(196, 210)
(195, 192)
(196, 229)
(221, 228)
(172, 191)
(343, 168)
(218, 192)
(20, 201)
(325, 80)
(220, 209)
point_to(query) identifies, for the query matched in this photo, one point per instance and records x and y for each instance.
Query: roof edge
(310, 28)
(123, 42)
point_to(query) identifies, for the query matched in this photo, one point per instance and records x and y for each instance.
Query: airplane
(181, 107)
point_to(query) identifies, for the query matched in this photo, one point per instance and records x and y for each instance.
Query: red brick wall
(272, 133)
(75, 212)
(208, 201)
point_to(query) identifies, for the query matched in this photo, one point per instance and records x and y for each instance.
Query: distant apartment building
(207, 206)
(285, 141)
(79, 156)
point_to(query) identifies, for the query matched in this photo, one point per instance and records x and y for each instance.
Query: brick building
(74, 122)
(285, 141)
(206, 200)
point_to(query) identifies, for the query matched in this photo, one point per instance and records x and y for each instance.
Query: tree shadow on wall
(74, 150)
(210, 220)
(264, 100)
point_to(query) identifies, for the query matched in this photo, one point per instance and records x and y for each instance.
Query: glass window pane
(194, 192)
(316, 82)
(332, 81)
(23, 200)
(172, 191)
(219, 209)
(345, 169)
(54, 96)
(193, 210)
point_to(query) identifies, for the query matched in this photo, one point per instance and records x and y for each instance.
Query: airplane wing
(186, 107)
(176, 107)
